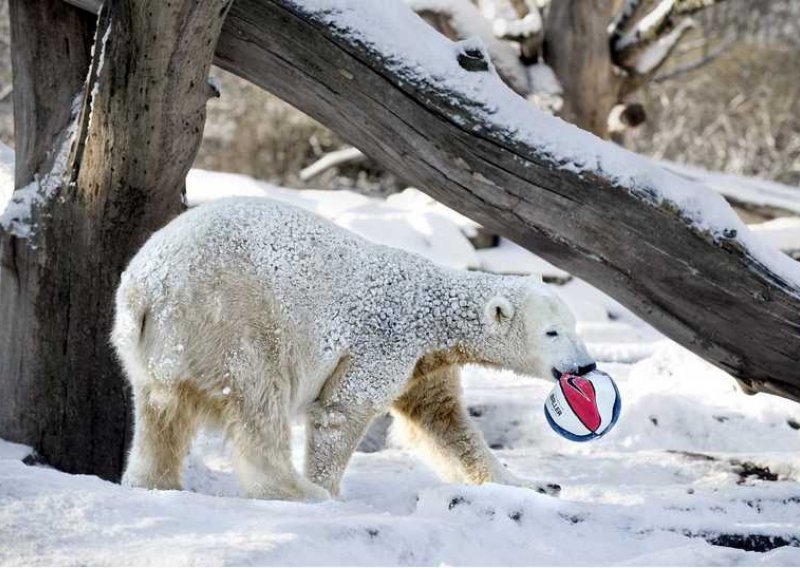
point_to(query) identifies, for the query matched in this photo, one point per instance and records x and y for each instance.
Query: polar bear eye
(552, 333)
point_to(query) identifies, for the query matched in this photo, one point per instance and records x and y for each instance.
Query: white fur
(245, 311)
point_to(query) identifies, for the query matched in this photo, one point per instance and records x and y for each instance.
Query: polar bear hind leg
(258, 424)
(165, 424)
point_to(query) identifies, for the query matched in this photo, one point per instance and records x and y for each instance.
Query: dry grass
(739, 114)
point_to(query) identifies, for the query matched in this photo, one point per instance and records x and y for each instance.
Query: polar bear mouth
(579, 371)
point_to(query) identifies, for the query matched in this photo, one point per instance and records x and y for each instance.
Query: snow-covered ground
(695, 473)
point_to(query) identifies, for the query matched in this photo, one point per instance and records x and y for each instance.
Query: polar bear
(247, 311)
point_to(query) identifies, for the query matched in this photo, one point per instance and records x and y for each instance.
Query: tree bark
(131, 144)
(49, 73)
(711, 295)
(578, 49)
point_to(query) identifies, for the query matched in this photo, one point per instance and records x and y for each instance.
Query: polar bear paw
(552, 489)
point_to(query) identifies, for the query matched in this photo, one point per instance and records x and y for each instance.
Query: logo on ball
(583, 408)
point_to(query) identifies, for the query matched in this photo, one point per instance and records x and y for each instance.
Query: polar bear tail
(127, 335)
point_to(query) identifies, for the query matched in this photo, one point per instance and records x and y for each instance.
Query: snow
(546, 90)
(467, 20)
(670, 478)
(543, 79)
(6, 174)
(655, 54)
(670, 470)
(749, 190)
(424, 61)
(523, 27)
(646, 27)
(17, 206)
(782, 233)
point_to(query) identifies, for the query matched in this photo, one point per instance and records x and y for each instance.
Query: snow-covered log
(672, 251)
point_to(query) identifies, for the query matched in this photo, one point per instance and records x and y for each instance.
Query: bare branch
(695, 64)
(689, 7)
(331, 160)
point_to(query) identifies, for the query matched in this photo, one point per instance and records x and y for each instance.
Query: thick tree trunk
(49, 73)
(118, 178)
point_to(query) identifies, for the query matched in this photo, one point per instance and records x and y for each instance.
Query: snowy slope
(692, 461)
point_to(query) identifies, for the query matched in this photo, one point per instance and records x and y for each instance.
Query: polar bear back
(290, 251)
(244, 267)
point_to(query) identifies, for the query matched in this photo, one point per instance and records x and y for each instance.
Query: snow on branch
(648, 28)
(687, 7)
(641, 42)
(625, 18)
(466, 21)
(519, 21)
(330, 160)
(656, 54)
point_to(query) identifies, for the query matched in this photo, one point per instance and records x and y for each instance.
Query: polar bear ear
(498, 310)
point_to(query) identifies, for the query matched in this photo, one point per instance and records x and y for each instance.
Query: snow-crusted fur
(246, 311)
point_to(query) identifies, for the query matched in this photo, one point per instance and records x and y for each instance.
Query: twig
(331, 160)
(697, 63)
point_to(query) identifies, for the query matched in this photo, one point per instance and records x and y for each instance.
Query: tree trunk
(118, 177)
(578, 50)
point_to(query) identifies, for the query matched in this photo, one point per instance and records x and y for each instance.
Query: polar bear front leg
(430, 415)
(332, 435)
(338, 419)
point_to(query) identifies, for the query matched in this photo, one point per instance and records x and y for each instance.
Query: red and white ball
(583, 408)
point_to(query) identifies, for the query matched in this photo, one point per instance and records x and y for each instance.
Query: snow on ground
(695, 473)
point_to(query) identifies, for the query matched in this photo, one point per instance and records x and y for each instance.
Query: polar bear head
(533, 332)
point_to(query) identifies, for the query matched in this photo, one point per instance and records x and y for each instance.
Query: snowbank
(672, 477)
